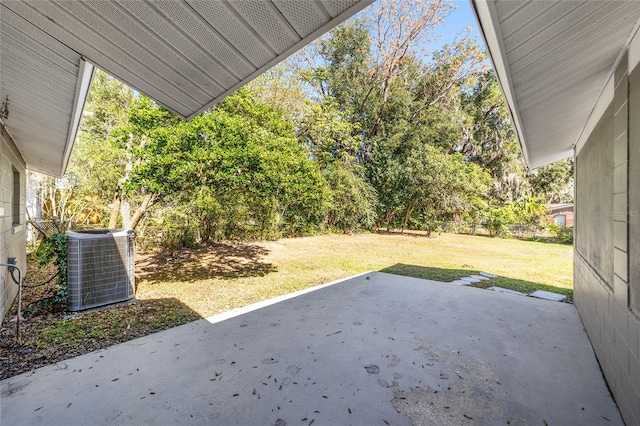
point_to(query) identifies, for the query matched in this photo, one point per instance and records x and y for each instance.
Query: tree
(153, 167)
(374, 67)
(65, 201)
(352, 200)
(282, 89)
(554, 182)
(420, 184)
(328, 134)
(528, 210)
(441, 184)
(489, 139)
(399, 30)
(96, 164)
(333, 142)
(80, 197)
(241, 149)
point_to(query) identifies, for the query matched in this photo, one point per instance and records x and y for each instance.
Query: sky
(459, 19)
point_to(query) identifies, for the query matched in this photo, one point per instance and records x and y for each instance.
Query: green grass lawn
(230, 275)
(175, 288)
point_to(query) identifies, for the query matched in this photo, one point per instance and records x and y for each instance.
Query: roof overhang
(185, 54)
(553, 60)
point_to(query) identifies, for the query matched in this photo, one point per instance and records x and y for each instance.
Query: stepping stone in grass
(488, 275)
(480, 277)
(547, 295)
(470, 280)
(505, 290)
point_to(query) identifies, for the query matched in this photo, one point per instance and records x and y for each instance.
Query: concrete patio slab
(372, 350)
(506, 291)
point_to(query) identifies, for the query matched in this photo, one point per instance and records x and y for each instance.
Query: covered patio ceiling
(554, 59)
(185, 54)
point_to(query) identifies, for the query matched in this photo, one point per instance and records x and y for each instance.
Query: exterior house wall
(12, 235)
(565, 210)
(607, 238)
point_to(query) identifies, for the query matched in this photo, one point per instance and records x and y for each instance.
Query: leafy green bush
(54, 249)
(352, 200)
(498, 221)
(528, 210)
(561, 234)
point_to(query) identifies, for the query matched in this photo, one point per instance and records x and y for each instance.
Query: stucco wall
(12, 238)
(607, 247)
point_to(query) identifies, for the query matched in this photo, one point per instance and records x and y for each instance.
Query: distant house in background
(560, 214)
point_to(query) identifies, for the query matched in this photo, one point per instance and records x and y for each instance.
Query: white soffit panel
(39, 77)
(553, 59)
(185, 54)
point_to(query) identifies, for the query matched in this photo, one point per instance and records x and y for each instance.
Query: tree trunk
(147, 202)
(406, 218)
(389, 218)
(115, 209)
(118, 201)
(125, 212)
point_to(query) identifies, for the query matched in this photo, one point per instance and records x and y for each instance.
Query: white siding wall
(12, 238)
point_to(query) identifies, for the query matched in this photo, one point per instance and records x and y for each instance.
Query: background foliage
(364, 128)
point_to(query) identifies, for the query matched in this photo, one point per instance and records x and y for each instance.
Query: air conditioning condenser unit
(100, 267)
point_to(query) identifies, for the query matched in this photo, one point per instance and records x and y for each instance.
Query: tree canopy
(364, 128)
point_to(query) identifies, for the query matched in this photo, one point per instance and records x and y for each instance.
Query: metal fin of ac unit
(100, 268)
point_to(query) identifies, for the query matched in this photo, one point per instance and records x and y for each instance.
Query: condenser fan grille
(100, 268)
